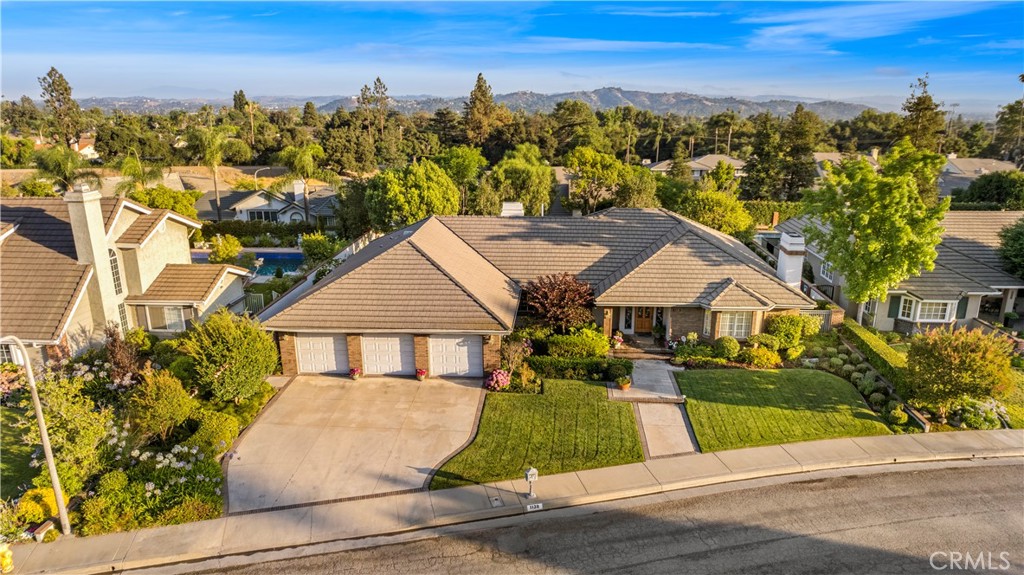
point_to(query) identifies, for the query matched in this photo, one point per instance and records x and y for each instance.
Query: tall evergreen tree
(764, 170)
(801, 133)
(924, 123)
(480, 113)
(239, 101)
(310, 116)
(65, 113)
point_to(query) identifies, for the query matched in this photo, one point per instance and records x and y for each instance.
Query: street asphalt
(904, 522)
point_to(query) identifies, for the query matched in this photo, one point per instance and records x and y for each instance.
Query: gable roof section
(143, 227)
(186, 283)
(41, 280)
(730, 294)
(420, 279)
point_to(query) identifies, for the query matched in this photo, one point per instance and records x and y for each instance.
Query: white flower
(149, 486)
(107, 365)
(103, 374)
(181, 480)
(89, 377)
(217, 490)
(135, 453)
(157, 492)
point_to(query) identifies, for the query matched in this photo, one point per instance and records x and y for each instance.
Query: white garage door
(389, 355)
(319, 353)
(461, 355)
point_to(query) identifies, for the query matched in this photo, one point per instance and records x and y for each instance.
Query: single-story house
(699, 167)
(439, 295)
(70, 266)
(836, 158)
(968, 280)
(267, 206)
(960, 172)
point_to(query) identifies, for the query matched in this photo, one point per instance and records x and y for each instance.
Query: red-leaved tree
(561, 300)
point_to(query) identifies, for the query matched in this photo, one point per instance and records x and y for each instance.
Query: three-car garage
(449, 355)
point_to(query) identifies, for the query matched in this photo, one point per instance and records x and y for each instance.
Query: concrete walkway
(230, 539)
(661, 417)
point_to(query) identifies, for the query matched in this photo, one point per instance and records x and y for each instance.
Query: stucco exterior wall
(143, 265)
(229, 290)
(83, 331)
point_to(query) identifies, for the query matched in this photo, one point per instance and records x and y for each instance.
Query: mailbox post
(531, 476)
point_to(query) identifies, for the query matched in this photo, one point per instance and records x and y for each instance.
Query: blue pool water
(287, 261)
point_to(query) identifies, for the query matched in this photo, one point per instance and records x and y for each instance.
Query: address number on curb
(535, 507)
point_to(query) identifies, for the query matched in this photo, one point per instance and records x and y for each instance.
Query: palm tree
(136, 174)
(303, 163)
(211, 146)
(65, 167)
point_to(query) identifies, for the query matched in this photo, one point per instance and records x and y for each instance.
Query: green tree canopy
(1006, 188)
(224, 249)
(637, 189)
(522, 176)
(162, 197)
(463, 164)
(596, 175)
(764, 168)
(923, 123)
(65, 167)
(399, 197)
(65, 114)
(903, 159)
(718, 210)
(136, 174)
(1011, 247)
(317, 248)
(801, 134)
(304, 164)
(212, 146)
(876, 230)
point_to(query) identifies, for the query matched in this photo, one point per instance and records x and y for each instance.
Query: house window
(735, 323)
(6, 353)
(115, 270)
(328, 221)
(262, 215)
(627, 321)
(707, 322)
(907, 309)
(826, 272)
(122, 311)
(933, 311)
(166, 318)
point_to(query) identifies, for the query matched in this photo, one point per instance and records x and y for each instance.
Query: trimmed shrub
(856, 377)
(847, 370)
(37, 505)
(897, 416)
(159, 403)
(815, 352)
(767, 341)
(794, 353)
(577, 368)
(759, 357)
(882, 357)
(870, 376)
(584, 343)
(727, 347)
(216, 432)
(836, 363)
(761, 210)
(189, 510)
(233, 355)
(831, 352)
(616, 371)
(876, 399)
(843, 357)
(686, 350)
(705, 362)
(791, 328)
(863, 367)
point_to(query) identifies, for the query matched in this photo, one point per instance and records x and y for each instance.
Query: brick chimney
(91, 247)
(791, 259)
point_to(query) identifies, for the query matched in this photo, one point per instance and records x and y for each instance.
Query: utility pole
(716, 140)
(728, 145)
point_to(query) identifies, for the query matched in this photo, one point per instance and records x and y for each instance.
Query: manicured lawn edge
(889, 362)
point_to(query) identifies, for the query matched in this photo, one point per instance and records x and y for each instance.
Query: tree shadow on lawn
(795, 390)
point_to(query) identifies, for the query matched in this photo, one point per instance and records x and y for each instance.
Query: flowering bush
(499, 380)
(980, 414)
(11, 380)
(355, 372)
(617, 340)
(421, 373)
(514, 350)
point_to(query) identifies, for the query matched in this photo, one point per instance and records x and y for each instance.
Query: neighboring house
(72, 265)
(699, 167)
(960, 172)
(267, 206)
(968, 280)
(439, 294)
(86, 147)
(108, 184)
(836, 158)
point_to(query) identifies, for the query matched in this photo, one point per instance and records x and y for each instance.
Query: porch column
(1009, 298)
(606, 321)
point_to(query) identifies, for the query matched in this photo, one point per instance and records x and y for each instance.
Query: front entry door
(644, 319)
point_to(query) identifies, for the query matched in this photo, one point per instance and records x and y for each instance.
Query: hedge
(762, 210)
(586, 343)
(242, 228)
(885, 359)
(597, 368)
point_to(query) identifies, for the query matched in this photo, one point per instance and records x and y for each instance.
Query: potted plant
(355, 373)
(421, 374)
(624, 382)
(658, 331)
(617, 340)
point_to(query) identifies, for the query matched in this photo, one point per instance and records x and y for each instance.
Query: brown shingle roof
(144, 226)
(186, 283)
(40, 277)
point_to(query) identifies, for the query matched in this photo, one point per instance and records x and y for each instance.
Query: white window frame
(826, 272)
(122, 312)
(168, 327)
(115, 270)
(921, 311)
(908, 312)
(737, 324)
(7, 353)
(178, 325)
(262, 215)
(707, 322)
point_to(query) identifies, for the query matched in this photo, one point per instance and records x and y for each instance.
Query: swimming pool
(287, 261)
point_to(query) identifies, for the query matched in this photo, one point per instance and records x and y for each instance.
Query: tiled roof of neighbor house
(40, 277)
(186, 283)
(968, 260)
(422, 278)
(662, 166)
(144, 226)
(206, 205)
(709, 162)
(975, 167)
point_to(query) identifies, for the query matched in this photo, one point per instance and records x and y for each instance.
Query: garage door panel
(389, 355)
(321, 353)
(458, 355)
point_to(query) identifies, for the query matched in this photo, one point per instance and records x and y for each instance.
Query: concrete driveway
(327, 438)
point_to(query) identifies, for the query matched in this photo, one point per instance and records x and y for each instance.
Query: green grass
(14, 456)
(1014, 403)
(732, 408)
(570, 427)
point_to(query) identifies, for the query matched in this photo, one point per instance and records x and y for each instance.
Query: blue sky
(860, 51)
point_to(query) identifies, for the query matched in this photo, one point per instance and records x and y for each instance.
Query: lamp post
(255, 178)
(62, 510)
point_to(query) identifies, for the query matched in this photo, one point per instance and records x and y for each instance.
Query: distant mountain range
(681, 103)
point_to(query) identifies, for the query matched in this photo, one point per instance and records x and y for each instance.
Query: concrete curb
(300, 531)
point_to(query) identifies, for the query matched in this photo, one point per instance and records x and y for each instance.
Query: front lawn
(14, 462)
(570, 427)
(733, 408)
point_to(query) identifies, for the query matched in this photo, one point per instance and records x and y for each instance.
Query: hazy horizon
(866, 53)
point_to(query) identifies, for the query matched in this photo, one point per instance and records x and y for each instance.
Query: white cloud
(661, 13)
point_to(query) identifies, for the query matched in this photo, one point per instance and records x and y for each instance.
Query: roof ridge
(636, 262)
(473, 297)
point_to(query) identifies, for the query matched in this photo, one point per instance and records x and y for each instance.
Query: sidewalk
(303, 526)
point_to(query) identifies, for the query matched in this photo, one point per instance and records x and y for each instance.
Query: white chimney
(512, 209)
(951, 155)
(791, 259)
(86, 217)
(299, 190)
(874, 153)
